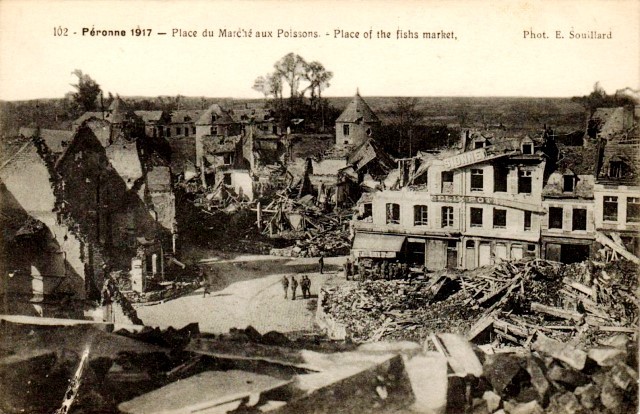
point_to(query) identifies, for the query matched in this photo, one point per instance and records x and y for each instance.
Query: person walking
(321, 263)
(285, 285)
(294, 286)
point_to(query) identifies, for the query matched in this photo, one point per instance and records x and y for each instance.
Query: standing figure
(361, 271)
(321, 263)
(294, 286)
(385, 270)
(307, 287)
(285, 285)
(349, 268)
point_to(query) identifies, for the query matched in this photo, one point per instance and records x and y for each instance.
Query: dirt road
(246, 290)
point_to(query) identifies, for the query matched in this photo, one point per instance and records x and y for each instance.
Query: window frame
(446, 216)
(527, 220)
(476, 210)
(390, 213)
(610, 201)
(525, 175)
(528, 145)
(636, 202)
(553, 222)
(567, 178)
(574, 214)
(420, 215)
(475, 173)
(345, 130)
(502, 211)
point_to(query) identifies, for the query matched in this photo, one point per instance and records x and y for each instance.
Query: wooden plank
(579, 287)
(602, 239)
(482, 324)
(617, 329)
(460, 355)
(557, 312)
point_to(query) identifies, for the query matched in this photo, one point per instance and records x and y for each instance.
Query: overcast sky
(490, 57)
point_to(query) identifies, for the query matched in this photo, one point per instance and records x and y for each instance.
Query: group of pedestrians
(384, 269)
(305, 285)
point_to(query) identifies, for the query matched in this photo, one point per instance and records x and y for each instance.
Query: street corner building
(496, 196)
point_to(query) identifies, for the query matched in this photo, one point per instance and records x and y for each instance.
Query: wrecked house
(458, 209)
(617, 186)
(182, 123)
(155, 122)
(568, 233)
(43, 264)
(114, 190)
(262, 118)
(55, 140)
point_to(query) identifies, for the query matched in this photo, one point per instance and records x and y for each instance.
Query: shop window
(393, 213)
(610, 209)
(476, 217)
(499, 218)
(345, 130)
(500, 174)
(420, 215)
(579, 219)
(447, 181)
(524, 182)
(555, 217)
(568, 183)
(447, 216)
(633, 210)
(477, 180)
(531, 247)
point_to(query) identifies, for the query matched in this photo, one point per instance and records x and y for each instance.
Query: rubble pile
(506, 304)
(314, 230)
(554, 377)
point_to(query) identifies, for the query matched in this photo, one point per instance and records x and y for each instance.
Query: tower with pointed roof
(356, 123)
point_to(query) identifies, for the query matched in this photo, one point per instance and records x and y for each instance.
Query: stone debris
(508, 304)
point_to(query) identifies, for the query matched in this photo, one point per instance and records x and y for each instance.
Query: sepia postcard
(319, 206)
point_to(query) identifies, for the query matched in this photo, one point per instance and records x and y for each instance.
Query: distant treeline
(512, 113)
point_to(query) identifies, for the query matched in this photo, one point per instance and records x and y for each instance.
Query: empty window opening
(579, 219)
(555, 217)
(524, 182)
(499, 218)
(476, 217)
(569, 183)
